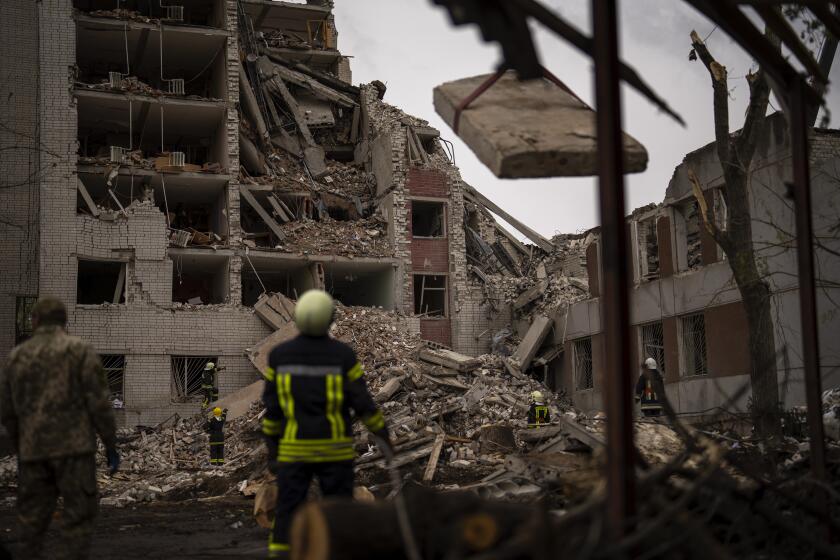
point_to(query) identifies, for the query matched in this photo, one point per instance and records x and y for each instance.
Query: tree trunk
(445, 525)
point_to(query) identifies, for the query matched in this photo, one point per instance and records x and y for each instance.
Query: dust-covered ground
(206, 528)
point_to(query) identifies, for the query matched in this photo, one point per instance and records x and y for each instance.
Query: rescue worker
(646, 389)
(538, 413)
(313, 382)
(208, 384)
(54, 400)
(216, 428)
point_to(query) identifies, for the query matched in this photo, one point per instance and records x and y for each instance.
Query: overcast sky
(411, 46)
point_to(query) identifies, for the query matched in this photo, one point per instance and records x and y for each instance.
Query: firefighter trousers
(217, 452)
(293, 479)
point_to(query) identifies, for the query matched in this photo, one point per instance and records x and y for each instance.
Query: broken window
(200, 279)
(430, 295)
(582, 354)
(693, 329)
(100, 282)
(690, 212)
(648, 249)
(114, 366)
(653, 344)
(427, 219)
(23, 317)
(186, 376)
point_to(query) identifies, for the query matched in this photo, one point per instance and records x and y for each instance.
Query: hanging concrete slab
(529, 129)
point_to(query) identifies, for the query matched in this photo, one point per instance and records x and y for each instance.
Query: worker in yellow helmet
(312, 385)
(216, 428)
(538, 412)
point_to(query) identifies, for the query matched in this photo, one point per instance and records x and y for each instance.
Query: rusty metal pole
(799, 119)
(615, 305)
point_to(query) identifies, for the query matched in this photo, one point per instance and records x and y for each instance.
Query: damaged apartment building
(166, 164)
(686, 310)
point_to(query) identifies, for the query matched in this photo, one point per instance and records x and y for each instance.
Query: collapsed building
(165, 166)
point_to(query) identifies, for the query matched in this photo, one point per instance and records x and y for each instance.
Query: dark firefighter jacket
(646, 391)
(312, 385)
(216, 428)
(538, 414)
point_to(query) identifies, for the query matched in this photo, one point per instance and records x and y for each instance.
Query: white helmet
(536, 396)
(650, 363)
(314, 313)
(209, 365)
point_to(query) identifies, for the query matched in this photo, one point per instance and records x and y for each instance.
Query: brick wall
(20, 162)
(427, 182)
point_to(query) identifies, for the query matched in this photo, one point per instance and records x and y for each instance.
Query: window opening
(653, 344)
(23, 317)
(694, 345)
(100, 282)
(114, 366)
(648, 243)
(583, 364)
(427, 219)
(430, 295)
(186, 376)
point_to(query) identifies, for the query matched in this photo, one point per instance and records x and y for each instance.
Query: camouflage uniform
(53, 402)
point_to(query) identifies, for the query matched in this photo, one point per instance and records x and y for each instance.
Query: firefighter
(538, 413)
(54, 401)
(646, 389)
(313, 383)
(208, 384)
(216, 428)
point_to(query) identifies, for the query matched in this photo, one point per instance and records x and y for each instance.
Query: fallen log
(451, 525)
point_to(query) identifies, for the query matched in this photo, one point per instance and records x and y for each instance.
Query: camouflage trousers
(40, 483)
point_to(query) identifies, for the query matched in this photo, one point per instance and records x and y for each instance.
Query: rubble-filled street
(304, 280)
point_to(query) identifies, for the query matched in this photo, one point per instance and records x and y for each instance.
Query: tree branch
(717, 72)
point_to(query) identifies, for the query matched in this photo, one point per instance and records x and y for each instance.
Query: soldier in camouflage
(53, 402)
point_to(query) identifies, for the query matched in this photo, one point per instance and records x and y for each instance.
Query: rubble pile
(123, 13)
(366, 237)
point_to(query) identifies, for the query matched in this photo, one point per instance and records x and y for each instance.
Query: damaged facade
(168, 165)
(686, 311)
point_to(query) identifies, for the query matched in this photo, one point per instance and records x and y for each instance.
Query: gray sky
(411, 46)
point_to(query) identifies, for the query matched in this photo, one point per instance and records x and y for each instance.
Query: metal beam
(621, 484)
(799, 111)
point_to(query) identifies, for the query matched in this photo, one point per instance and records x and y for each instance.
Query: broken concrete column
(251, 157)
(250, 105)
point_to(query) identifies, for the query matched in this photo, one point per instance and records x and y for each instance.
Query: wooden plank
(449, 359)
(529, 128)
(534, 338)
(86, 197)
(269, 221)
(538, 239)
(431, 466)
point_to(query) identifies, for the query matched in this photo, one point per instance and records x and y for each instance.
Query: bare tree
(735, 152)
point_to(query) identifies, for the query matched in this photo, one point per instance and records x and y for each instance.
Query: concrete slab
(529, 129)
(534, 338)
(258, 354)
(239, 403)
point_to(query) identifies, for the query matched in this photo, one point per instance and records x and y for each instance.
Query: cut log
(530, 345)
(529, 128)
(450, 359)
(441, 523)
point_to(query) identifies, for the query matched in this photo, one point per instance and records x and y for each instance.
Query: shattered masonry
(185, 166)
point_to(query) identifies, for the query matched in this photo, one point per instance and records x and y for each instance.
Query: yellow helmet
(314, 313)
(217, 411)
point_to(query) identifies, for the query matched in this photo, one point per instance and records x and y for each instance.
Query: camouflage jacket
(54, 397)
